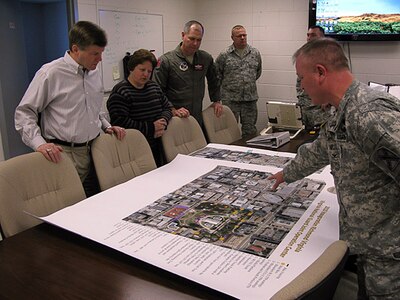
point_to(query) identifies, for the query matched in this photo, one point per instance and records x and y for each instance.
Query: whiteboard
(127, 32)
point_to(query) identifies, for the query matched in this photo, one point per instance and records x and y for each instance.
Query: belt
(71, 144)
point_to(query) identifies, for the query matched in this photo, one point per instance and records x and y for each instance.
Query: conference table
(48, 262)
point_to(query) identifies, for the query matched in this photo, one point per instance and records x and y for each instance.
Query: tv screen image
(357, 19)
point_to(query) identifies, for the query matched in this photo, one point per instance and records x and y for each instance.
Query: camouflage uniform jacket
(361, 142)
(184, 83)
(237, 75)
(312, 115)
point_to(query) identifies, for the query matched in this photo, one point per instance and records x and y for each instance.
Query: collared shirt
(237, 74)
(361, 142)
(69, 101)
(183, 82)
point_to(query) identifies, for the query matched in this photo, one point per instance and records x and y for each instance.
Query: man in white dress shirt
(68, 95)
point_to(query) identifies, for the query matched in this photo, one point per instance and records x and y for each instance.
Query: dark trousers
(91, 183)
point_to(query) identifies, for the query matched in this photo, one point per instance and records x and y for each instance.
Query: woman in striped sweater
(139, 103)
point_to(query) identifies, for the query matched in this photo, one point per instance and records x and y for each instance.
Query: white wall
(276, 28)
(175, 13)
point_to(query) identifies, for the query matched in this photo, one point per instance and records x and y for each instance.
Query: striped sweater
(130, 107)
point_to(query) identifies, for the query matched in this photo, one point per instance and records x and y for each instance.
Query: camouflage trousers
(246, 113)
(379, 278)
(313, 116)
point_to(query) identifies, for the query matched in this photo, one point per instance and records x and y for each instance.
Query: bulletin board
(127, 32)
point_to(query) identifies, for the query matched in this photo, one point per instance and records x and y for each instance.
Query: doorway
(34, 32)
(45, 32)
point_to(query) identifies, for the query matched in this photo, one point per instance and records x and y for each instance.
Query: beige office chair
(183, 135)
(118, 161)
(320, 279)
(223, 129)
(33, 184)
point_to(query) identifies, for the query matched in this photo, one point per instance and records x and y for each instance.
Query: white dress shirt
(70, 101)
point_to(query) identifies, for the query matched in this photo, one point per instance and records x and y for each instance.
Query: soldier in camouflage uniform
(238, 68)
(181, 75)
(312, 115)
(361, 142)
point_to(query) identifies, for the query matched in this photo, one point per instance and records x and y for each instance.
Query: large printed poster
(233, 208)
(215, 220)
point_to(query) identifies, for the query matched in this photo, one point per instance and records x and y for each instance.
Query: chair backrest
(320, 279)
(223, 129)
(118, 161)
(33, 184)
(183, 135)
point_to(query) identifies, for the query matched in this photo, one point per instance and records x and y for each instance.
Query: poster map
(231, 207)
(215, 222)
(247, 157)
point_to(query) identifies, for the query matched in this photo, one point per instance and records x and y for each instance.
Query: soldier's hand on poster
(278, 179)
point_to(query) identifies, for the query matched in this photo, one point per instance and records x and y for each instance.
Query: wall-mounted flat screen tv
(357, 20)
